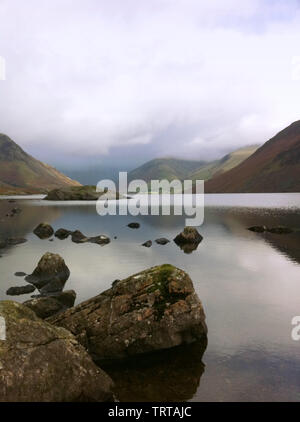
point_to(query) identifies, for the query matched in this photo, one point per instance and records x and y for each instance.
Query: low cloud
(107, 79)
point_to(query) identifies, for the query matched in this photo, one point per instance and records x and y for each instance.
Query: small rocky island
(80, 193)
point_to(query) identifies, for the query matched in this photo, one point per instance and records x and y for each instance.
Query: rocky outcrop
(42, 363)
(46, 306)
(50, 275)
(80, 193)
(189, 239)
(43, 231)
(153, 310)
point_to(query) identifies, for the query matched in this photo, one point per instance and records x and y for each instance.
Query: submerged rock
(162, 241)
(155, 309)
(51, 273)
(22, 290)
(258, 229)
(13, 241)
(62, 234)
(134, 225)
(43, 231)
(20, 274)
(46, 306)
(42, 363)
(189, 239)
(280, 230)
(147, 244)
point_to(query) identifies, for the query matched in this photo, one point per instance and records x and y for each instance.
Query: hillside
(224, 164)
(165, 168)
(21, 173)
(274, 167)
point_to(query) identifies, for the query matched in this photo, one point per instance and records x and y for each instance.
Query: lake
(249, 285)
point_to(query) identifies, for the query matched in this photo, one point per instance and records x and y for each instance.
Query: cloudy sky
(128, 80)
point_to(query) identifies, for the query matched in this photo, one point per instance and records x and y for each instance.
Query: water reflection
(169, 376)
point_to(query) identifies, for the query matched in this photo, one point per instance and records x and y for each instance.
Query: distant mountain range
(165, 168)
(274, 167)
(21, 173)
(175, 168)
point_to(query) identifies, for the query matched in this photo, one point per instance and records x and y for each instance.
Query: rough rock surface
(155, 309)
(46, 306)
(42, 363)
(51, 273)
(43, 231)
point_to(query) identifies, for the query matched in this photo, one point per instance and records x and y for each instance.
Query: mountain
(21, 173)
(165, 168)
(274, 167)
(224, 164)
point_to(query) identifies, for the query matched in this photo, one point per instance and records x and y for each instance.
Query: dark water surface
(249, 285)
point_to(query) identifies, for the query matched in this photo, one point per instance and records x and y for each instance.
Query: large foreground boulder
(50, 275)
(152, 310)
(42, 363)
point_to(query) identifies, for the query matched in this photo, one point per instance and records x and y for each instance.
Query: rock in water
(155, 309)
(42, 363)
(22, 290)
(100, 240)
(134, 225)
(280, 230)
(62, 234)
(189, 239)
(50, 275)
(78, 237)
(46, 306)
(162, 241)
(147, 244)
(258, 229)
(43, 231)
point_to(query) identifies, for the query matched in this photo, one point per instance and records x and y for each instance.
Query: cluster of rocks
(45, 231)
(53, 359)
(188, 240)
(276, 230)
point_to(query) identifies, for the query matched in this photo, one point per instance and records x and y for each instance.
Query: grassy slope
(19, 172)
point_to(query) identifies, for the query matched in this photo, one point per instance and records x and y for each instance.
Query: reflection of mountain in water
(167, 376)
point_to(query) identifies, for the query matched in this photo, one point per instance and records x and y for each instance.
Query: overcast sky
(135, 79)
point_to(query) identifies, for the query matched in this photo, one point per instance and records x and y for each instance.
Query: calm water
(249, 285)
